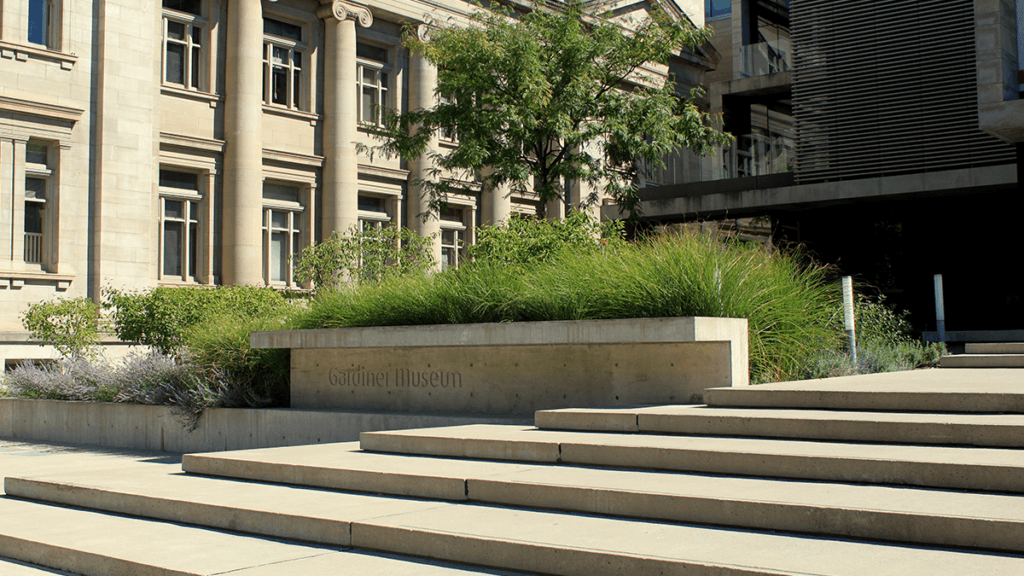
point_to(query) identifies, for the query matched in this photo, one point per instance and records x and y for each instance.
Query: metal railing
(33, 248)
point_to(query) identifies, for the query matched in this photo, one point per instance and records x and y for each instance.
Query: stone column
(6, 202)
(243, 156)
(495, 204)
(205, 269)
(421, 96)
(341, 166)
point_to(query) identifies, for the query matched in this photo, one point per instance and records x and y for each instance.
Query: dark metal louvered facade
(886, 88)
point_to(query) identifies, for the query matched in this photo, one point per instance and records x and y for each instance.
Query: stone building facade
(203, 142)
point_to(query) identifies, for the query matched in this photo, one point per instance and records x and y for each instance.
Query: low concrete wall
(513, 368)
(139, 427)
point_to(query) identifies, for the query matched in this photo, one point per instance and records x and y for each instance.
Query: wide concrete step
(507, 538)
(968, 390)
(982, 361)
(923, 516)
(995, 430)
(994, 347)
(10, 567)
(994, 469)
(100, 544)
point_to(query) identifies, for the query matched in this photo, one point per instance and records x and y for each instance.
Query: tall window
(282, 64)
(180, 224)
(38, 174)
(714, 9)
(282, 232)
(453, 237)
(41, 22)
(372, 81)
(183, 43)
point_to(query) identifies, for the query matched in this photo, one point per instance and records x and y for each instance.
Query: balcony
(33, 248)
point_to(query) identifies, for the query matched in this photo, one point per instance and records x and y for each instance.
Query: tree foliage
(535, 240)
(548, 97)
(69, 325)
(369, 255)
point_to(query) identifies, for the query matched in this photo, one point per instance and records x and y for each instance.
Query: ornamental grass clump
(785, 297)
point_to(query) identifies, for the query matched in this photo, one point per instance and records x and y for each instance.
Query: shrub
(532, 240)
(160, 317)
(370, 255)
(69, 325)
(788, 305)
(252, 376)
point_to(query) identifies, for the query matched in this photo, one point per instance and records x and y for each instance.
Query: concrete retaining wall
(138, 427)
(513, 368)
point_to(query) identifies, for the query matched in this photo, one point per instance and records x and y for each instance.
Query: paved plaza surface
(890, 474)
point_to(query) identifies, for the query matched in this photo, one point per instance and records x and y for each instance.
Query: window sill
(212, 99)
(183, 284)
(22, 52)
(289, 113)
(15, 279)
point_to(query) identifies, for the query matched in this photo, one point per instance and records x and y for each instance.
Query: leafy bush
(220, 346)
(885, 343)
(785, 298)
(140, 379)
(69, 325)
(161, 316)
(370, 255)
(531, 240)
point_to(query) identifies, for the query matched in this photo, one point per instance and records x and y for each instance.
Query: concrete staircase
(984, 355)
(912, 473)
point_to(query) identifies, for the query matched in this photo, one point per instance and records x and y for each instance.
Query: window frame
(190, 21)
(51, 28)
(47, 173)
(384, 90)
(299, 101)
(295, 230)
(191, 270)
(461, 236)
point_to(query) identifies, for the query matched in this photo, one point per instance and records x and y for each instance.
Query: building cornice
(193, 142)
(19, 106)
(293, 158)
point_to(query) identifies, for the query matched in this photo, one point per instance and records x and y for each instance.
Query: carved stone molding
(344, 10)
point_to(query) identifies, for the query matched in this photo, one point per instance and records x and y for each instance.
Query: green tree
(69, 325)
(370, 255)
(548, 97)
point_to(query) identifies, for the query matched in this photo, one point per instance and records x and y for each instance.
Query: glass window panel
(279, 219)
(281, 192)
(172, 249)
(296, 89)
(278, 256)
(371, 52)
(447, 258)
(383, 80)
(39, 22)
(190, 6)
(369, 76)
(371, 203)
(448, 237)
(196, 60)
(36, 153)
(175, 63)
(280, 55)
(297, 58)
(193, 249)
(369, 104)
(34, 217)
(174, 209)
(175, 30)
(193, 212)
(279, 85)
(451, 214)
(35, 188)
(282, 29)
(179, 180)
(197, 35)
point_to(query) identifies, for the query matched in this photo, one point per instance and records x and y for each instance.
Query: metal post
(851, 332)
(940, 309)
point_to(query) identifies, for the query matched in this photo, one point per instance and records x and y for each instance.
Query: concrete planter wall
(138, 427)
(513, 368)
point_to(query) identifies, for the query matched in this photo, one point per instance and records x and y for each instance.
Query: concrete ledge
(141, 427)
(513, 368)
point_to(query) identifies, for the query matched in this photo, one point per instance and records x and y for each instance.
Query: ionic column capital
(344, 10)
